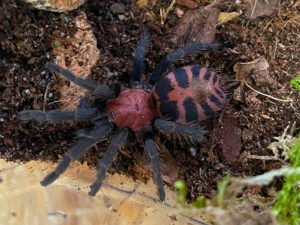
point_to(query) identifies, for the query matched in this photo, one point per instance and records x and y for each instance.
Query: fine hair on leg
(99, 90)
(74, 153)
(139, 56)
(194, 134)
(155, 165)
(179, 54)
(104, 163)
(57, 116)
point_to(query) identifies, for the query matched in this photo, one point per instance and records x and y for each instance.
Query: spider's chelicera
(170, 104)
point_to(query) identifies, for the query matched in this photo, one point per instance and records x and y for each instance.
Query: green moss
(287, 206)
(296, 83)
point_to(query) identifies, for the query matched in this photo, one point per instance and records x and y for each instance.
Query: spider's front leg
(57, 116)
(107, 158)
(92, 137)
(155, 165)
(195, 134)
(100, 91)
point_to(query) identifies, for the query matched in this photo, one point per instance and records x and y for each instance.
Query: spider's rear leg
(74, 153)
(179, 54)
(99, 90)
(155, 165)
(195, 134)
(56, 116)
(107, 158)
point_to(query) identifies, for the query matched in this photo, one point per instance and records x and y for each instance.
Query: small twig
(269, 96)
(265, 157)
(253, 9)
(295, 5)
(164, 14)
(275, 49)
(57, 101)
(161, 16)
(45, 97)
(170, 7)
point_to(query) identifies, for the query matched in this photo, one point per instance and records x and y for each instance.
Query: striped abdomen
(187, 94)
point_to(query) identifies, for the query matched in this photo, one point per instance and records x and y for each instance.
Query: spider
(169, 104)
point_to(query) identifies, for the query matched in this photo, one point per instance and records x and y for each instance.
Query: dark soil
(26, 37)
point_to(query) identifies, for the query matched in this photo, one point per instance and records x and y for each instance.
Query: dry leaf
(142, 3)
(83, 52)
(187, 3)
(56, 5)
(254, 73)
(229, 144)
(225, 17)
(260, 8)
(257, 69)
(197, 25)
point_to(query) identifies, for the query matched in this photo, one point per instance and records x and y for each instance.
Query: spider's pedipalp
(57, 116)
(195, 134)
(107, 158)
(155, 165)
(74, 153)
(139, 57)
(179, 54)
(99, 90)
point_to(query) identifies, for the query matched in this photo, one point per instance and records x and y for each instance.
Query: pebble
(117, 8)
(193, 151)
(179, 12)
(121, 17)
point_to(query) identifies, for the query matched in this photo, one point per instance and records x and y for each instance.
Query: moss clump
(296, 83)
(287, 206)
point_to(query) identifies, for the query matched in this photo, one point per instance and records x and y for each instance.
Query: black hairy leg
(107, 158)
(57, 116)
(194, 134)
(92, 137)
(139, 57)
(99, 90)
(155, 165)
(179, 54)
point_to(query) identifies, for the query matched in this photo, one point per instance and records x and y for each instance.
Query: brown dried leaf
(56, 5)
(225, 17)
(142, 3)
(187, 3)
(260, 8)
(229, 143)
(257, 71)
(168, 164)
(82, 54)
(197, 25)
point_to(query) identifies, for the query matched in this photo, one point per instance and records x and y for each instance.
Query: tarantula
(170, 104)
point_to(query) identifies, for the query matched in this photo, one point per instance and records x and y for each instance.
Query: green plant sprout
(296, 82)
(287, 206)
(181, 196)
(222, 185)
